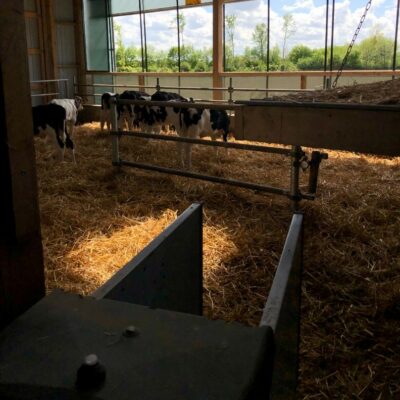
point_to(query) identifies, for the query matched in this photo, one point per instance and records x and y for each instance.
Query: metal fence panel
(168, 272)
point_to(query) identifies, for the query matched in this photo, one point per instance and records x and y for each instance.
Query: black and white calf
(154, 118)
(71, 106)
(126, 114)
(105, 112)
(197, 123)
(49, 122)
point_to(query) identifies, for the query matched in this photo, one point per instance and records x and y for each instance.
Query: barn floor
(95, 218)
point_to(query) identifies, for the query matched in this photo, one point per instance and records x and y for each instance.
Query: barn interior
(78, 227)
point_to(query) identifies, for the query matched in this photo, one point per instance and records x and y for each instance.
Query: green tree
(299, 52)
(260, 39)
(288, 29)
(376, 51)
(230, 24)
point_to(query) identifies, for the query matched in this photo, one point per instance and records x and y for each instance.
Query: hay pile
(95, 219)
(387, 92)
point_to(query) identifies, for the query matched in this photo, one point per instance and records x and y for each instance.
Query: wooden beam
(218, 26)
(49, 39)
(79, 44)
(358, 128)
(21, 258)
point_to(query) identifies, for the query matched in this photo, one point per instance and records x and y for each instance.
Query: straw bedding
(95, 218)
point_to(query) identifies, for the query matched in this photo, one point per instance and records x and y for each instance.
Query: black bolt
(130, 331)
(91, 374)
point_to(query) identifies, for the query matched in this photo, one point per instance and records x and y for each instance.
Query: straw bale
(95, 218)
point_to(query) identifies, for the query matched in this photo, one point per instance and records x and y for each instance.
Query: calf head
(78, 103)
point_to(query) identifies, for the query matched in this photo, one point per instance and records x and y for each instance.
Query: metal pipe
(145, 40)
(210, 178)
(237, 146)
(181, 104)
(295, 193)
(332, 39)
(199, 88)
(141, 33)
(49, 80)
(395, 37)
(224, 31)
(45, 94)
(326, 40)
(114, 127)
(268, 32)
(179, 36)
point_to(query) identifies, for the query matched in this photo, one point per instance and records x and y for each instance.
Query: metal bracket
(316, 159)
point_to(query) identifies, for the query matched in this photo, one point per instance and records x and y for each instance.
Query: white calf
(71, 106)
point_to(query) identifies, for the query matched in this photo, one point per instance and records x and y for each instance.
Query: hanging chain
(344, 62)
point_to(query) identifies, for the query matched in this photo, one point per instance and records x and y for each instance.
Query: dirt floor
(95, 218)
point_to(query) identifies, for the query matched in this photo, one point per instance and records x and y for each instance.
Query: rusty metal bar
(237, 146)
(209, 178)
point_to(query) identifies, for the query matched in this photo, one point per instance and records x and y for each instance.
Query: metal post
(395, 38)
(326, 41)
(158, 87)
(114, 128)
(268, 42)
(230, 91)
(75, 85)
(141, 34)
(332, 40)
(179, 35)
(66, 89)
(295, 194)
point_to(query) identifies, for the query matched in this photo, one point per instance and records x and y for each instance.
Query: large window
(159, 36)
(259, 35)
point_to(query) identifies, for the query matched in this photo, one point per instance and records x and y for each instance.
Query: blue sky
(309, 16)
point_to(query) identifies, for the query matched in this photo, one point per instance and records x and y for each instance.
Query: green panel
(132, 6)
(124, 6)
(96, 35)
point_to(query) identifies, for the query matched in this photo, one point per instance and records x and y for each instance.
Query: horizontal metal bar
(210, 178)
(273, 90)
(226, 89)
(238, 146)
(50, 80)
(44, 94)
(113, 86)
(182, 104)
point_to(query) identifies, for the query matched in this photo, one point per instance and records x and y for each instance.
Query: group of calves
(187, 122)
(57, 119)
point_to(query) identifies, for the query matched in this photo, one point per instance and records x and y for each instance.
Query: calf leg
(102, 119)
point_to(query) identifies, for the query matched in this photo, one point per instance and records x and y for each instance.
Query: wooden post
(49, 36)
(303, 82)
(218, 27)
(21, 257)
(141, 83)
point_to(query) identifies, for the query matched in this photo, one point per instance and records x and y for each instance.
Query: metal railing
(282, 313)
(296, 154)
(60, 87)
(230, 89)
